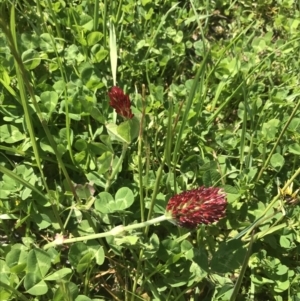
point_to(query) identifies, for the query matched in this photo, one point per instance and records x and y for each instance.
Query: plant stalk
(59, 240)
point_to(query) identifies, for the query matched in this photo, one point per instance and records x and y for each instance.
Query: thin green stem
(140, 163)
(40, 14)
(119, 12)
(187, 109)
(68, 217)
(169, 140)
(17, 178)
(96, 15)
(238, 283)
(113, 232)
(247, 232)
(162, 22)
(105, 23)
(113, 52)
(155, 192)
(12, 43)
(14, 291)
(53, 15)
(266, 162)
(244, 130)
(117, 167)
(146, 230)
(68, 121)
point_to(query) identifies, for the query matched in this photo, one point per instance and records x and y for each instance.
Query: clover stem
(113, 232)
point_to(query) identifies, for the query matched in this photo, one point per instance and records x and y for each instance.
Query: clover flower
(198, 206)
(188, 209)
(120, 102)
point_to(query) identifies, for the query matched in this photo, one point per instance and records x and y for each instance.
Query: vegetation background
(214, 87)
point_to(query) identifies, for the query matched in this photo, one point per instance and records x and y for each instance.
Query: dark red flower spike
(198, 206)
(120, 102)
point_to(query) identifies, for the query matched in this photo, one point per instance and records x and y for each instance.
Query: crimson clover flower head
(120, 102)
(203, 205)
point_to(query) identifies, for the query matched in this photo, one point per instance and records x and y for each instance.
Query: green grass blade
(17, 178)
(266, 162)
(113, 51)
(163, 19)
(238, 283)
(187, 108)
(96, 15)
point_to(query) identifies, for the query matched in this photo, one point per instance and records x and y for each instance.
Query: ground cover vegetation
(112, 112)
